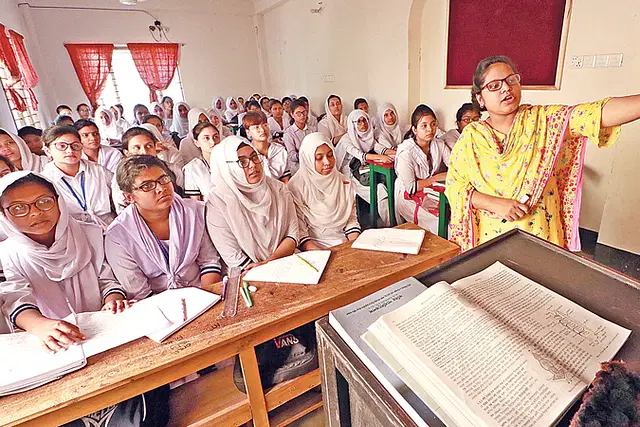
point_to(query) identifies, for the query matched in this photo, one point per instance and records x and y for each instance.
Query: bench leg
(373, 200)
(391, 197)
(254, 388)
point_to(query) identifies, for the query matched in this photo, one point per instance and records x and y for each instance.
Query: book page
(292, 269)
(390, 240)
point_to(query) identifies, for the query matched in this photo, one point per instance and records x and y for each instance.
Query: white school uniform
(411, 165)
(197, 178)
(292, 139)
(87, 194)
(451, 137)
(275, 163)
(108, 158)
(274, 127)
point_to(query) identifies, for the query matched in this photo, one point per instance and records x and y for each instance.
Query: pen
(307, 262)
(184, 310)
(225, 280)
(524, 199)
(245, 294)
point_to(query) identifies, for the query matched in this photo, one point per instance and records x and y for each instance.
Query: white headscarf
(231, 112)
(193, 118)
(153, 110)
(222, 104)
(325, 200)
(258, 214)
(112, 131)
(393, 135)
(69, 259)
(214, 112)
(30, 161)
(335, 127)
(364, 140)
(121, 122)
(180, 125)
(170, 155)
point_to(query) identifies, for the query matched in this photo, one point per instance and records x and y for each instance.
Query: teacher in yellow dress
(522, 166)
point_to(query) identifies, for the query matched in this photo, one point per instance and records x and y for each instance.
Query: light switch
(589, 61)
(329, 78)
(615, 60)
(601, 61)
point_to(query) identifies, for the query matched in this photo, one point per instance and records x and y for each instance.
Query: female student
(180, 122)
(57, 266)
(466, 114)
(334, 124)
(139, 112)
(218, 104)
(167, 105)
(274, 155)
(312, 121)
(33, 137)
(188, 148)
(251, 217)
(421, 160)
(121, 122)
(240, 100)
(389, 133)
(324, 198)
(295, 133)
(524, 152)
(232, 109)
(16, 150)
(286, 105)
(197, 173)
(165, 152)
(159, 241)
(164, 135)
(218, 122)
(5, 167)
(279, 120)
(265, 104)
(83, 184)
(109, 130)
(93, 150)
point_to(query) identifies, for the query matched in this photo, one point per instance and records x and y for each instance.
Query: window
(124, 85)
(28, 118)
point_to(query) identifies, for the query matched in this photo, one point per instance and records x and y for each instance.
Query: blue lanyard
(165, 251)
(82, 202)
(205, 162)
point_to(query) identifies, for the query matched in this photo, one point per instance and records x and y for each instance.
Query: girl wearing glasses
(159, 241)
(84, 185)
(466, 114)
(522, 167)
(421, 160)
(17, 152)
(251, 217)
(197, 173)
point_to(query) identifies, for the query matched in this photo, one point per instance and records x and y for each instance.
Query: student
(251, 106)
(57, 265)
(251, 218)
(164, 151)
(218, 122)
(5, 168)
(240, 104)
(361, 104)
(83, 184)
(352, 154)
(232, 110)
(84, 111)
(64, 110)
(421, 160)
(265, 105)
(197, 173)
(188, 148)
(33, 138)
(389, 133)
(167, 105)
(219, 105)
(158, 110)
(466, 114)
(324, 198)
(180, 123)
(312, 121)
(121, 122)
(334, 124)
(109, 130)
(139, 111)
(159, 241)
(275, 155)
(137, 141)
(286, 104)
(63, 121)
(295, 133)
(279, 120)
(165, 135)
(93, 150)
(17, 152)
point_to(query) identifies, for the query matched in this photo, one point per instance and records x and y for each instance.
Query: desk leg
(391, 190)
(254, 388)
(373, 198)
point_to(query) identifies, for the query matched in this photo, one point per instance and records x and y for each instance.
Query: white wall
(219, 56)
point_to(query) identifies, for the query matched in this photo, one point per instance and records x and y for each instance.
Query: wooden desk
(143, 365)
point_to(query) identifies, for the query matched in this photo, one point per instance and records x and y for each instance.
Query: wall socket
(329, 78)
(601, 60)
(577, 61)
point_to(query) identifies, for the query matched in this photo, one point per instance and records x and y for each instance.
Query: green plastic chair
(390, 178)
(444, 215)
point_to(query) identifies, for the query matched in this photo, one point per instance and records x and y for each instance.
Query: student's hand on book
(253, 265)
(117, 305)
(56, 335)
(511, 210)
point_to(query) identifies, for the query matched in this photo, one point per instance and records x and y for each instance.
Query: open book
(496, 349)
(304, 268)
(390, 240)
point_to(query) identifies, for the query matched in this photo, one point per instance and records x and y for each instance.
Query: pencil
(307, 262)
(184, 310)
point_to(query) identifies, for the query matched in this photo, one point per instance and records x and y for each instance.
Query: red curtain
(92, 63)
(9, 58)
(28, 75)
(156, 64)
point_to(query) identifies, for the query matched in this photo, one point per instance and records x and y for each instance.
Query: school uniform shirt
(108, 158)
(293, 137)
(88, 194)
(71, 274)
(276, 162)
(312, 122)
(451, 137)
(188, 149)
(274, 127)
(197, 178)
(145, 265)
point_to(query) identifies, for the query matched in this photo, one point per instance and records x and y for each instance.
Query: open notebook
(390, 240)
(292, 269)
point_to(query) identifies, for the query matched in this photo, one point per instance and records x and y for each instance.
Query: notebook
(390, 240)
(292, 269)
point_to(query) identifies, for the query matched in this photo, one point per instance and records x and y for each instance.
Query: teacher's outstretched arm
(620, 111)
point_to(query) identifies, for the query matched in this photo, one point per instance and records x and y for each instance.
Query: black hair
(82, 104)
(62, 107)
(148, 117)
(29, 130)
(7, 162)
(164, 98)
(133, 132)
(60, 119)
(285, 99)
(137, 107)
(331, 97)
(262, 100)
(55, 132)
(297, 104)
(197, 129)
(303, 99)
(82, 123)
(359, 101)
(3, 132)
(129, 168)
(478, 76)
(274, 102)
(35, 179)
(253, 104)
(467, 106)
(120, 108)
(420, 111)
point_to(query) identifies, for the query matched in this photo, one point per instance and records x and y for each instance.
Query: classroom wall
(219, 56)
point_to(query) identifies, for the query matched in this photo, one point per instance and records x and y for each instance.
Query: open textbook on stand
(495, 349)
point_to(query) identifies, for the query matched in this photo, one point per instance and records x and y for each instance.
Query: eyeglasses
(468, 120)
(495, 85)
(62, 146)
(43, 204)
(151, 185)
(243, 162)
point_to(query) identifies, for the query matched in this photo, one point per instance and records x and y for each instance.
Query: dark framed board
(533, 33)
